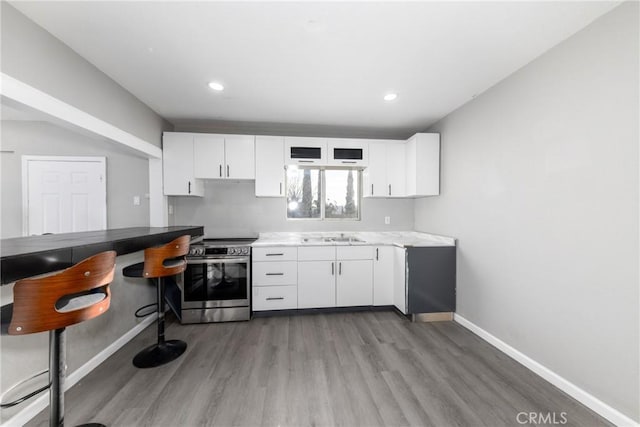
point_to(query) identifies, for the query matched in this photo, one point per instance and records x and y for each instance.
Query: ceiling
(311, 63)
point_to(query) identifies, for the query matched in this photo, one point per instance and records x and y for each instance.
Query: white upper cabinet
(177, 165)
(269, 166)
(239, 156)
(305, 151)
(208, 156)
(224, 156)
(385, 177)
(422, 157)
(347, 152)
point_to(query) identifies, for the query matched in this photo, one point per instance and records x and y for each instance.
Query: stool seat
(54, 302)
(160, 262)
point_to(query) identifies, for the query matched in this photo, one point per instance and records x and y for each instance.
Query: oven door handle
(240, 260)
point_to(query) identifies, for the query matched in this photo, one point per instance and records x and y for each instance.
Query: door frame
(25, 181)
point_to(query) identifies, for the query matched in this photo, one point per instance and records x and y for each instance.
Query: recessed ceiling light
(216, 86)
(390, 96)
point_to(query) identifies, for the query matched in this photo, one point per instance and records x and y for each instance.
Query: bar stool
(161, 262)
(52, 303)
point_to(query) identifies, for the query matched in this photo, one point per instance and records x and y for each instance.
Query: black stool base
(159, 354)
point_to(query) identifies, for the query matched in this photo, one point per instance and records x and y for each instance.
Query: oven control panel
(196, 251)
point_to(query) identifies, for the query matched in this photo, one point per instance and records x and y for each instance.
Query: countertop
(29, 256)
(394, 238)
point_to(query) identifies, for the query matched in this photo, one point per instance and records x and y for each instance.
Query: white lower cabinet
(354, 283)
(316, 284)
(325, 276)
(275, 297)
(399, 279)
(274, 278)
(383, 270)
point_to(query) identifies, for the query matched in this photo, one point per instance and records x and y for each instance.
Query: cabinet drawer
(317, 253)
(275, 298)
(280, 253)
(275, 273)
(354, 252)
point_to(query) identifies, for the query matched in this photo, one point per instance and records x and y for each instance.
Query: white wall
(127, 175)
(33, 56)
(231, 209)
(540, 186)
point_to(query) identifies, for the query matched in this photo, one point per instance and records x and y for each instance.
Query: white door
(399, 279)
(269, 166)
(239, 155)
(208, 156)
(354, 285)
(316, 284)
(64, 194)
(383, 275)
(375, 175)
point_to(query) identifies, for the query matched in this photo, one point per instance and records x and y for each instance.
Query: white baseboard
(590, 401)
(25, 415)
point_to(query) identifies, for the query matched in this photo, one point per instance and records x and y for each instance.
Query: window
(314, 193)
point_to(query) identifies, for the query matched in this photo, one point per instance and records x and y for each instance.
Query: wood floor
(340, 369)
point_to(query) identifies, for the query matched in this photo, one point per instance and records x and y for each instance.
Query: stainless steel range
(215, 287)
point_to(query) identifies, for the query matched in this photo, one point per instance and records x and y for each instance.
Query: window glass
(303, 193)
(314, 193)
(342, 194)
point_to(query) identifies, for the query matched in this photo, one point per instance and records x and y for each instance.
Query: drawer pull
(274, 298)
(274, 274)
(275, 254)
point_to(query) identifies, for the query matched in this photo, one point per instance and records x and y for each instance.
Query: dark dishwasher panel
(431, 279)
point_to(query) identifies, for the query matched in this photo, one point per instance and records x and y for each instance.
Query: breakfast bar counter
(22, 257)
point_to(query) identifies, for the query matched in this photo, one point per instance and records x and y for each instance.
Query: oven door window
(214, 281)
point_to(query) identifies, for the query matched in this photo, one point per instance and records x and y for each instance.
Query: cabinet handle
(347, 162)
(377, 254)
(389, 189)
(280, 188)
(228, 171)
(275, 254)
(306, 161)
(274, 298)
(332, 269)
(340, 268)
(189, 187)
(220, 171)
(274, 274)
(372, 189)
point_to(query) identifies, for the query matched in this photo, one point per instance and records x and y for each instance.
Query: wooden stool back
(34, 300)
(166, 260)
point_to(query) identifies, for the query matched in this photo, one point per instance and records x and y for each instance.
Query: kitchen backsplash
(231, 209)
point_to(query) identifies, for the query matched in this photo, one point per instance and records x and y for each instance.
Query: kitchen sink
(341, 239)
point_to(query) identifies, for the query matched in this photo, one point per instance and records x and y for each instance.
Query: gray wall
(540, 185)
(127, 175)
(33, 56)
(231, 209)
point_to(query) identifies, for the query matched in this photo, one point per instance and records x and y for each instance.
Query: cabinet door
(396, 175)
(239, 157)
(177, 165)
(347, 152)
(423, 165)
(269, 166)
(316, 284)
(383, 275)
(305, 151)
(354, 285)
(208, 155)
(399, 279)
(375, 175)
